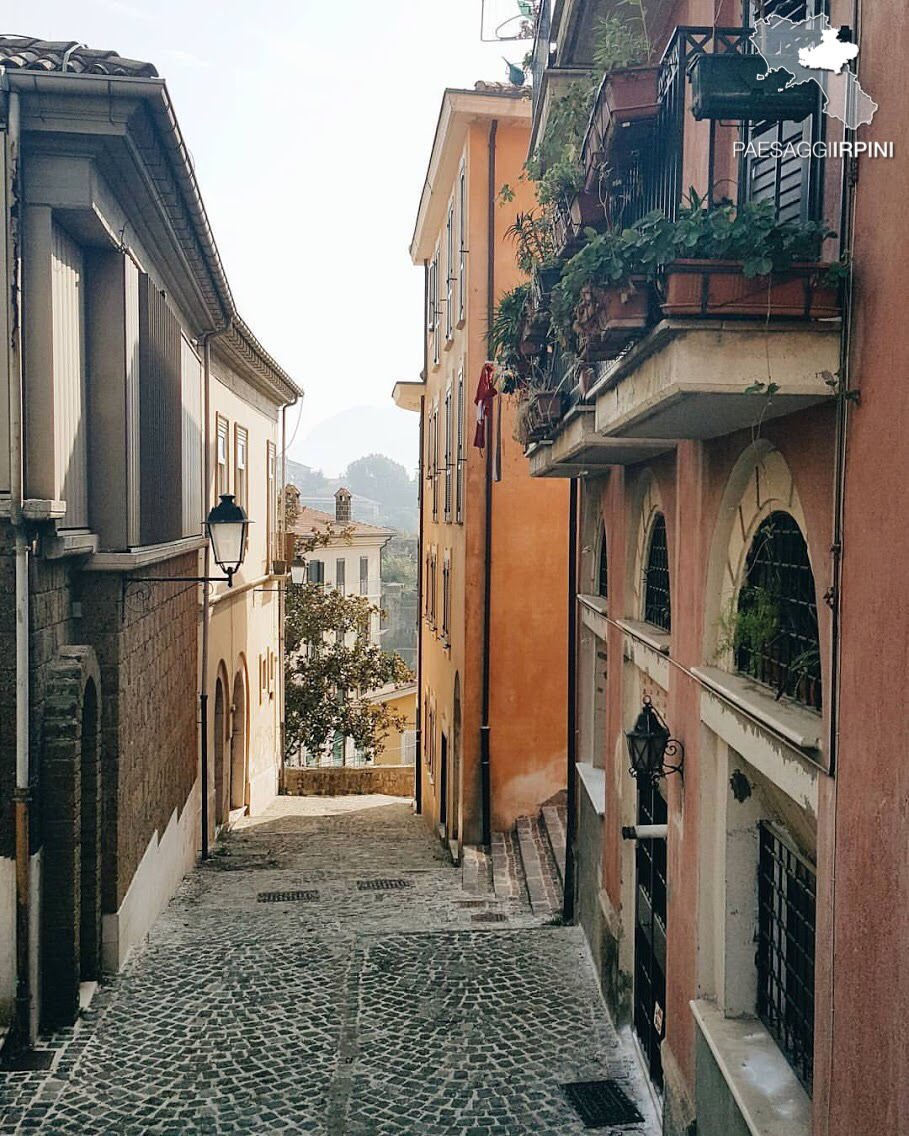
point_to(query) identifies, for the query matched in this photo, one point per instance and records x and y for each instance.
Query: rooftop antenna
(524, 20)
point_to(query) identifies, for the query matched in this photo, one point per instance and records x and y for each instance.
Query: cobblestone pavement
(357, 1008)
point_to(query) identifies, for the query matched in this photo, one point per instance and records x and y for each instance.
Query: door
(650, 933)
(443, 787)
(455, 794)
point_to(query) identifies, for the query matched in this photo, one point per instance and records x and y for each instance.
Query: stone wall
(342, 781)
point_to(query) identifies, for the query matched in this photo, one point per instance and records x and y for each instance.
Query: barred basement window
(603, 577)
(656, 577)
(776, 624)
(787, 886)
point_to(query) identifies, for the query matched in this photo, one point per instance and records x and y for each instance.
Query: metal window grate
(777, 613)
(601, 1104)
(656, 577)
(287, 896)
(785, 956)
(603, 578)
(383, 885)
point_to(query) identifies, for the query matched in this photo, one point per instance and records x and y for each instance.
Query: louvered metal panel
(70, 419)
(131, 296)
(160, 414)
(192, 441)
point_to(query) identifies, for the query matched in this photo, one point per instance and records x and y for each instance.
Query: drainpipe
(206, 572)
(485, 787)
(572, 741)
(418, 718)
(23, 797)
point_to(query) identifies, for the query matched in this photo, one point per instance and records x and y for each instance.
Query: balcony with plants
(640, 277)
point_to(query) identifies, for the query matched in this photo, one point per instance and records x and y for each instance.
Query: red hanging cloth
(486, 392)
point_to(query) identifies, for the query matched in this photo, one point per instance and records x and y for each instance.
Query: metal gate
(650, 933)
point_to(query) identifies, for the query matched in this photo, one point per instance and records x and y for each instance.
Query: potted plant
(508, 323)
(744, 263)
(727, 85)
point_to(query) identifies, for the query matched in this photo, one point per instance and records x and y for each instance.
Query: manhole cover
(488, 917)
(287, 896)
(383, 885)
(602, 1103)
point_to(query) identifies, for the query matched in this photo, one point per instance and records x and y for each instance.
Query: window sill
(593, 781)
(649, 635)
(593, 614)
(142, 557)
(764, 1087)
(35, 509)
(796, 724)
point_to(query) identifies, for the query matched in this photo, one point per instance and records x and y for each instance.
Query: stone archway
(238, 743)
(70, 893)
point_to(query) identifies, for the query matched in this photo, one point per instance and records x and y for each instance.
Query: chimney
(342, 507)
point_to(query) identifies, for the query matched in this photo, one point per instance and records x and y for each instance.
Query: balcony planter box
(534, 332)
(625, 97)
(586, 209)
(719, 288)
(607, 319)
(544, 280)
(729, 86)
(539, 415)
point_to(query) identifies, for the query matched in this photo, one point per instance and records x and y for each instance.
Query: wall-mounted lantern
(649, 744)
(297, 571)
(227, 524)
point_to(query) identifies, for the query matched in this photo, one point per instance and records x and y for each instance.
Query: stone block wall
(341, 781)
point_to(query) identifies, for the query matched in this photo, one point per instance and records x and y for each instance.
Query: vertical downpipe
(571, 716)
(485, 781)
(22, 1031)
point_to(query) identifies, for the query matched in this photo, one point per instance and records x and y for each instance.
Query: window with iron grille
(787, 886)
(603, 574)
(656, 577)
(446, 598)
(449, 271)
(776, 628)
(448, 461)
(459, 451)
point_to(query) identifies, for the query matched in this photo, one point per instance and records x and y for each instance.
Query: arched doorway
(454, 791)
(220, 754)
(238, 743)
(70, 942)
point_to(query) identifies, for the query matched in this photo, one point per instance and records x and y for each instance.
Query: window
(68, 339)
(433, 577)
(459, 450)
(603, 573)
(341, 575)
(656, 577)
(241, 485)
(222, 472)
(446, 598)
(315, 571)
(787, 886)
(776, 624)
(271, 476)
(449, 272)
(435, 462)
(448, 462)
(427, 584)
(364, 575)
(436, 300)
(462, 244)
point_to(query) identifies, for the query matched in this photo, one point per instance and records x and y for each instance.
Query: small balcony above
(576, 449)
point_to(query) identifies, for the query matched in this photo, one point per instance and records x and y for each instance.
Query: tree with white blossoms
(332, 666)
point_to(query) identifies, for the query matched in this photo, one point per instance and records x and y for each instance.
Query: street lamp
(297, 571)
(227, 524)
(649, 743)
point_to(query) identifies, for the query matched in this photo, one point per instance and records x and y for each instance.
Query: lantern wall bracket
(650, 744)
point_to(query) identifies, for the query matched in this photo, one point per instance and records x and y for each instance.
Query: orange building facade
(493, 647)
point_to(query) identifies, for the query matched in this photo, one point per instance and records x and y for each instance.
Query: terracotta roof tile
(28, 54)
(308, 520)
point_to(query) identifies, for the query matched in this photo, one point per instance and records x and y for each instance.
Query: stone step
(476, 871)
(507, 872)
(539, 871)
(553, 822)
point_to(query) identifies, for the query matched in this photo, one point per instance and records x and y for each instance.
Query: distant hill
(382, 491)
(335, 443)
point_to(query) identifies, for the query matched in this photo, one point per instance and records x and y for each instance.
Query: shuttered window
(459, 450)
(70, 418)
(241, 463)
(462, 243)
(193, 506)
(160, 417)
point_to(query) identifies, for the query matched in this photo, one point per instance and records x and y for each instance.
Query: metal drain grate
(601, 1104)
(383, 885)
(287, 896)
(488, 917)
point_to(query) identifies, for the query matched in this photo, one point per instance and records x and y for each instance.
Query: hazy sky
(310, 126)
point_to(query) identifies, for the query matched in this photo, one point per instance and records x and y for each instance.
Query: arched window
(656, 577)
(776, 636)
(603, 575)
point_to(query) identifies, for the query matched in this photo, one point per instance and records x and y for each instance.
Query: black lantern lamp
(297, 571)
(227, 524)
(649, 744)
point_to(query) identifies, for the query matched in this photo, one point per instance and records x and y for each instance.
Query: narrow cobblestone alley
(326, 973)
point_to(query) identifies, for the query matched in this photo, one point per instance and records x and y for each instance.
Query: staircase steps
(552, 818)
(540, 878)
(476, 871)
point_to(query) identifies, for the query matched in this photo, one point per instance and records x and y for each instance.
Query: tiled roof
(28, 54)
(311, 520)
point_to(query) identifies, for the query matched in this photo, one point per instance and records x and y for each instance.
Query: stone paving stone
(365, 1013)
